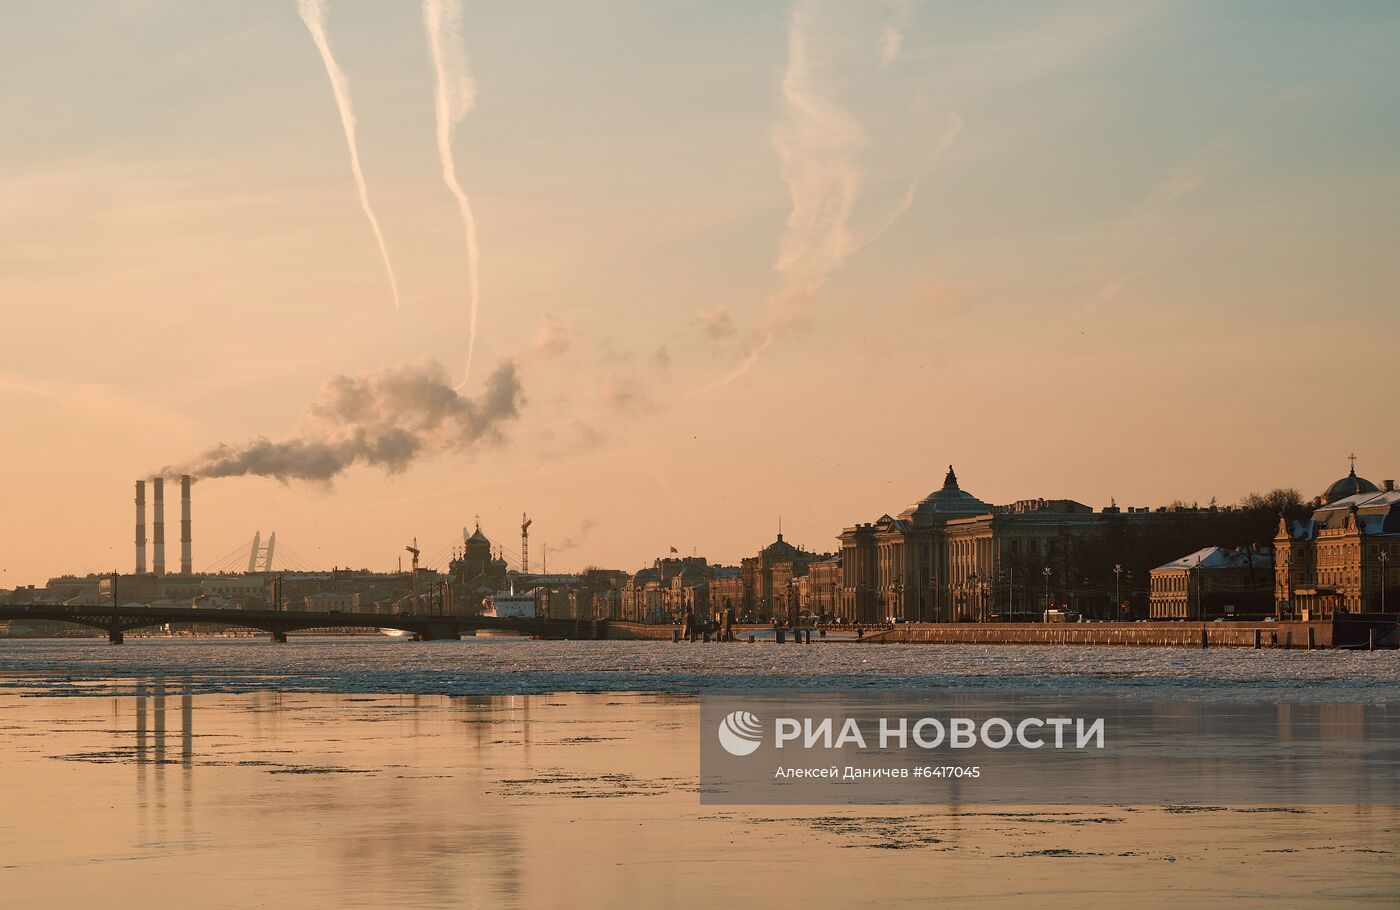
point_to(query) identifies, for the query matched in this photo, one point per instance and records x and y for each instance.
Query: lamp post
(1383, 557)
(1200, 603)
(1046, 572)
(1288, 589)
(1117, 590)
(1001, 578)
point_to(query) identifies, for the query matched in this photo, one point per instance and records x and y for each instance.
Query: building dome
(950, 499)
(780, 547)
(477, 543)
(1349, 485)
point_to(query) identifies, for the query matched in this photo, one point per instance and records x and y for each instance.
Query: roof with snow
(1375, 514)
(1221, 558)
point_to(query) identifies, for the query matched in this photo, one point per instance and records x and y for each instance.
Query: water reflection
(280, 799)
(398, 824)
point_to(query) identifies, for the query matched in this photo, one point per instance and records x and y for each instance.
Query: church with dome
(476, 570)
(1345, 558)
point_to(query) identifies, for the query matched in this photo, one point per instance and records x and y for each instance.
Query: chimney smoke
(158, 544)
(140, 527)
(185, 566)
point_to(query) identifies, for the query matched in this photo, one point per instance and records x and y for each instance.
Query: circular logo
(740, 733)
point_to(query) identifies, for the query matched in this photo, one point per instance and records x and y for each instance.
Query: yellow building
(1345, 558)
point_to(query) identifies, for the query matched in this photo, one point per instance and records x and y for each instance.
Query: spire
(951, 481)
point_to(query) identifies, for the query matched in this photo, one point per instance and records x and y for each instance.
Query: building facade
(1345, 558)
(1213, 583)
(953, 558)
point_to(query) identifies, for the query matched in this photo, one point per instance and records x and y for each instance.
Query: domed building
(952, 557)
(1350, 485)
(950, 499)
(476, 572)
(1346, 557)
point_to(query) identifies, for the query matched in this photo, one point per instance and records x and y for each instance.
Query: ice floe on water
(515, 666)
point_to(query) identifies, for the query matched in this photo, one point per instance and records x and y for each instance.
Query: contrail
(452, 101)
(313, 13)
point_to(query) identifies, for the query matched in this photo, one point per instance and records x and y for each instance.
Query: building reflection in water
(425, 815)
(151, 756)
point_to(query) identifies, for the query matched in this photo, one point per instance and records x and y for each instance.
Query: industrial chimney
(158, 543)
(185, 567)
(140, 527)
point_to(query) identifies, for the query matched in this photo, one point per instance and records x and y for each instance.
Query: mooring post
(1312, 638)
(675, 636)
(782, 636)
(1371, 639)
(1258, 638)
(1205, 637)
(750, 639)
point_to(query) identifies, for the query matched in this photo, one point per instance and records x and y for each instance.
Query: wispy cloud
(313, 13)
(716, 322)
(96, 403)
(574, 541)
(617, 392)
(552, 337)
(891, 40)
(819, 141)
(453, 99)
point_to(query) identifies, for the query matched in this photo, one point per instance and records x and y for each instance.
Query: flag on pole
(674, 550)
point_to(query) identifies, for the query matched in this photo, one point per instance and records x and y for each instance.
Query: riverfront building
(1345, 558)
(1214, 583)
(950, 557)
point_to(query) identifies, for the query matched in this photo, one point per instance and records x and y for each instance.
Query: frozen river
(367, 773)
(507, 666)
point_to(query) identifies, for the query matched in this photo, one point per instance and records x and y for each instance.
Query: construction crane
(525, 522)
(413, 551)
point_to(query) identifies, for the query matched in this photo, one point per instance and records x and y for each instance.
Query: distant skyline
(747, 260)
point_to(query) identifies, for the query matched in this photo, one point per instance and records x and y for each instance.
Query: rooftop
(1221, 558)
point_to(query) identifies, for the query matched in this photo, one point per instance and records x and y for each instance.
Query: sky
(740, 262)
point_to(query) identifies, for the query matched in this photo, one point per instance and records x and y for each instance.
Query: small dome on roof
(950, 498)
(1349, 485)
(780, 547)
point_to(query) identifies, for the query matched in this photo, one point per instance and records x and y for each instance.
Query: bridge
(116, 621)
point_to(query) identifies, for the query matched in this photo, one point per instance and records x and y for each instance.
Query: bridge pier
(440, 631)
(115, 637)
(278, 638)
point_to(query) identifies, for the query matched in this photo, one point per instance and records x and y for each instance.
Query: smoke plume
(313, 13)
(452, 101)
(387, 419)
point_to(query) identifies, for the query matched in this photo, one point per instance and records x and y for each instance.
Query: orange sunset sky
(748, 260)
